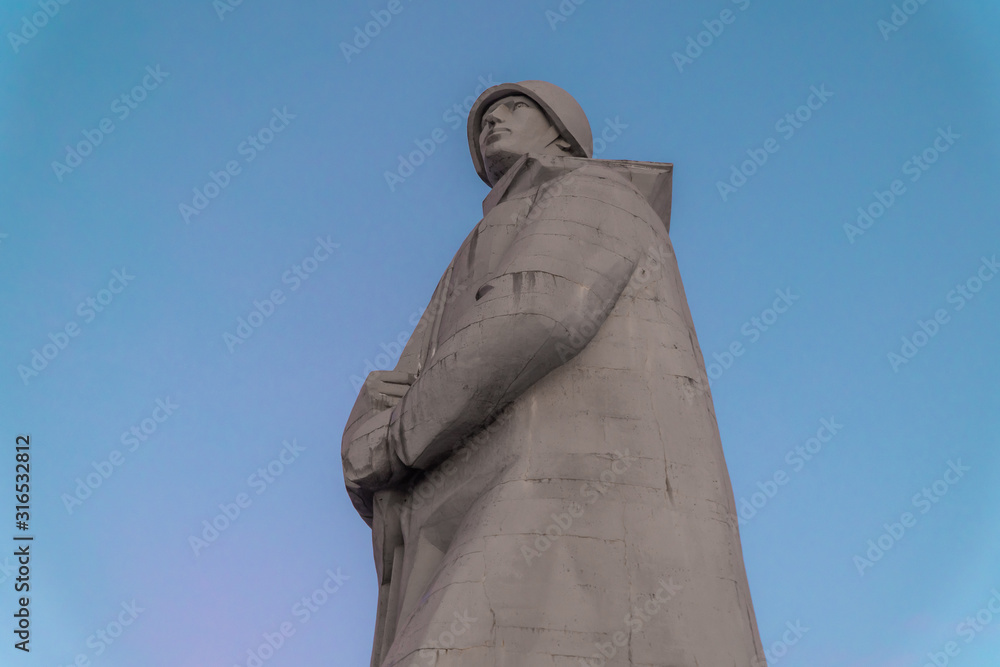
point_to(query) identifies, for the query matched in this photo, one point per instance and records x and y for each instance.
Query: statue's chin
(498, 164)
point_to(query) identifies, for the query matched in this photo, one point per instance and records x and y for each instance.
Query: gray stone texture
(543, 472)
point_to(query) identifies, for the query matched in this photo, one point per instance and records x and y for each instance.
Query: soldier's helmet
(564, 112)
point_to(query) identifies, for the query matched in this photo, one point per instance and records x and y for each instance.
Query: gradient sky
(224, 76)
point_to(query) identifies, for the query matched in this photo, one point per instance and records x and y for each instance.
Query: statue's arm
(557, 282)
(368, 463)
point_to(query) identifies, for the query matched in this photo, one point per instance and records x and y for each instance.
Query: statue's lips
(496, 134)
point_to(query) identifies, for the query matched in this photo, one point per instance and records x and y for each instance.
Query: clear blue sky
(329, 123)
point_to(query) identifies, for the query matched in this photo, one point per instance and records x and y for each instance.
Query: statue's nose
(494, 116)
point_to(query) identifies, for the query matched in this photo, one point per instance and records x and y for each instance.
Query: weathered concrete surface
(550, 489)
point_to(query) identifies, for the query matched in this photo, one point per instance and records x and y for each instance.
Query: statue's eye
(520, 104)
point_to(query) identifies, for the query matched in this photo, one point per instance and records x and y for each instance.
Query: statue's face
(511, 127)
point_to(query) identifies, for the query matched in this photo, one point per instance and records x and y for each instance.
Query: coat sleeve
(368, 462)
(568, 263)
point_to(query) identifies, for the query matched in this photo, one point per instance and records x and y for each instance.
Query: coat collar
(654, 180)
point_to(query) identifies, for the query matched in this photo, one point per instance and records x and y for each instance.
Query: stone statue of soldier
(542, 471)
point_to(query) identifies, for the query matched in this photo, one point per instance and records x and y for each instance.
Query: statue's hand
(385, 388)
(369, 464)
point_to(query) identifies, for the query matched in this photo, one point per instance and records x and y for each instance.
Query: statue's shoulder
(646, 185)
(588, 174)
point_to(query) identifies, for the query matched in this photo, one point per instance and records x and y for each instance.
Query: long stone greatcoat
(558, 494)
